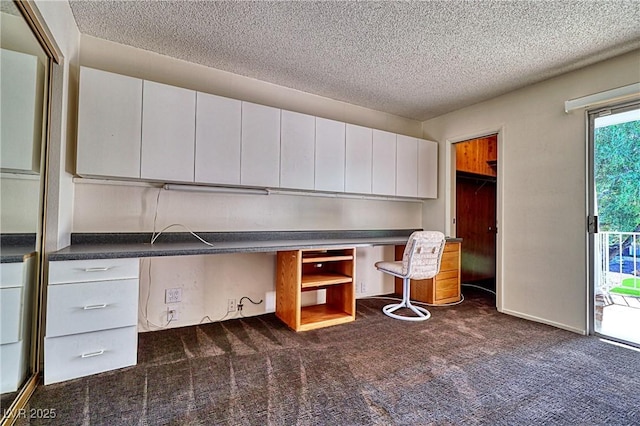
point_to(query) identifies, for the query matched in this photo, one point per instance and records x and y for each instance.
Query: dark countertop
(14, 248)
(128, 245)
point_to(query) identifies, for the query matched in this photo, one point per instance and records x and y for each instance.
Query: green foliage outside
(617, 175)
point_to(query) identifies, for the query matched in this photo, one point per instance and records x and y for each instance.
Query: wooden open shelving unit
(298, 271)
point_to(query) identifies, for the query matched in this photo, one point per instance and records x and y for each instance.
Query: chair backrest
(422, 255)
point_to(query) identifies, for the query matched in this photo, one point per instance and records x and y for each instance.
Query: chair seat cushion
(394, 268)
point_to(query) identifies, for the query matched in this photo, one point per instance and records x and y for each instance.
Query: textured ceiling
(412, 59)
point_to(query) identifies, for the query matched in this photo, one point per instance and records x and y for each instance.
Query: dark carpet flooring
(467, 365)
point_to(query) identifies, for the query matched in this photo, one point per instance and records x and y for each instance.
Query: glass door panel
(615, 222)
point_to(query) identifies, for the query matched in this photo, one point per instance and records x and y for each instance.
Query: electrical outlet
(232, 306)
(173, 295)
(270, 301)
(172, 315)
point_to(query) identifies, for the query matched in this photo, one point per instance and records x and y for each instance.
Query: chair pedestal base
(421, 313)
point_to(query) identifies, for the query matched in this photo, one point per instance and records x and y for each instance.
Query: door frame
(450, 197)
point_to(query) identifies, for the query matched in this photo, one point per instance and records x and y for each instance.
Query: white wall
(542, 187)
(208, 281)
(118, 58)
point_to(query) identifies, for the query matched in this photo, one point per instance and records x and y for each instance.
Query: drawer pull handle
(90, 307)
(90, 354)
(97, 269)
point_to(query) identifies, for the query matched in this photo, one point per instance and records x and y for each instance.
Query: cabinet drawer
(12, 365)
(449, 247)
(10, 310)
(83, 307)
(83, 354)
(450, 261)
(71, 271)
(11, 274)
(447, 288)
(444, 275)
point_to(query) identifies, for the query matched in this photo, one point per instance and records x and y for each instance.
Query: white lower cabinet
(15, 287)
(92, 321)
(79, 355)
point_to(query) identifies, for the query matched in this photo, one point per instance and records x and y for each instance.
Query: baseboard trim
(544, 321)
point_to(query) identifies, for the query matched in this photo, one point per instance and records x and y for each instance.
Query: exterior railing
(619, 254)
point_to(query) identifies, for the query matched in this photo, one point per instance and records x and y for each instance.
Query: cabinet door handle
(90, 354)
(97, 269)
(89, 307)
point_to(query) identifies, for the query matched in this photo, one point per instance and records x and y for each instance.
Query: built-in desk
(137, 245)
(92, 296)
(92, 301)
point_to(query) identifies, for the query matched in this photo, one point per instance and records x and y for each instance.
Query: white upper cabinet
(168, 132)
(427, 169)
(406, 166)
(21, 107)
(297, 151)
(330, 155)
(359, 154)
(260, 163)
(384, 163)
(109, 124)
(218, 129)
(131, 128)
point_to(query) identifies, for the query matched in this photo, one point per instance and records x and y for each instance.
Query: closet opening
(476, 176)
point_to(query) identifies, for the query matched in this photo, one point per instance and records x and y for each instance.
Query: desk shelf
(300, 271)
(322, 280)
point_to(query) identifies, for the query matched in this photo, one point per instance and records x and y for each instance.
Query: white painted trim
(544, 321)
(450, 197)
(116, 182)
(608, 96)
(19, 176)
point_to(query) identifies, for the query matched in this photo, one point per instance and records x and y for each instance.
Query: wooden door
(476, 208)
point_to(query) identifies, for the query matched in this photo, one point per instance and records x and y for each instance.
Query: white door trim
(450, 197)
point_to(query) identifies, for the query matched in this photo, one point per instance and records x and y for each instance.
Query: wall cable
(154, 235)
(479, 287)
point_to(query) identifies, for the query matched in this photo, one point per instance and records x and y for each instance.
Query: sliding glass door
(614, 222)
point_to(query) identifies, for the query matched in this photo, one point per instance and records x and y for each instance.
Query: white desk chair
(421, 260)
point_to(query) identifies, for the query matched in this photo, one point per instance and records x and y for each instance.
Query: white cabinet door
(168, 132)
(384, 163)
(330, 155)
(406, 166)
(11, 304)
(260, 157)
(21, 108)
(109, 124)
(218, 127)
(297, 150)
(358, 159)
(427, 169)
